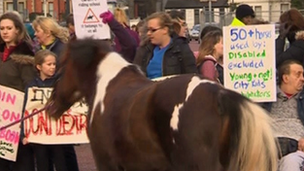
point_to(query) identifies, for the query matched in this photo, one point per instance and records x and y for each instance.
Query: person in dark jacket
(53, 37)
(16, 71)
(291, 28)
(127, 44)
(166, 53)
(121, 17)
(50, 35)
(45, 62)
(71, 26)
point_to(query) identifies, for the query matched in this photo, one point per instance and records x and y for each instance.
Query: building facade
(222, 12)
(267, 10)
(55, 8)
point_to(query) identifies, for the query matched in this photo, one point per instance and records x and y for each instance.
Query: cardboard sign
(11, 104)
(87, 21)
(249, 61)
(70, 128)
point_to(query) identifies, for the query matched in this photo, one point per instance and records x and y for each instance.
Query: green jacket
(237, 22)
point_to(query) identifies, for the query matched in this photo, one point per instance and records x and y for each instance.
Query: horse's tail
(253, 146)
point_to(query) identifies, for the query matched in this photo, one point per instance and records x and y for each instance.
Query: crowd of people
(30, 57)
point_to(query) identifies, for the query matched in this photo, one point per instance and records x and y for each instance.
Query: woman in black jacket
(166, 53)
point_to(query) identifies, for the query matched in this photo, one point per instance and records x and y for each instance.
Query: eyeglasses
(184, 24)
(152, 30)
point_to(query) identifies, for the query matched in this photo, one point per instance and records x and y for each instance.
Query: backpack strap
(199, 68)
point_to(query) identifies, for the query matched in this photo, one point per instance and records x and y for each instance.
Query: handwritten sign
(87, 21)
(249, 61)
(11, 104)
(42, 129)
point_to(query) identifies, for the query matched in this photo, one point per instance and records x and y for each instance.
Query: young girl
(210, 52)
(45, 62)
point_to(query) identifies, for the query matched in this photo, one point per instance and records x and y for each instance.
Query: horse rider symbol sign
(90, 17)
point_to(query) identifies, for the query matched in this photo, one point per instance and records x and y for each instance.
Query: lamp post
(210, 11)
(15, 5)
(44, 8)
(67, 7)
(209, 7)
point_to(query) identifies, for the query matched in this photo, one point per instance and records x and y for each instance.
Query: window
(209, 15)
(21, 9)
(196, 16)
(284, 7)
(9, 6)
(258, 12)
(51, 8)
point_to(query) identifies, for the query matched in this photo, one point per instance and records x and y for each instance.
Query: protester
(292, 29)
(210, 51)
(178, 17)
(53, 37)
(16, 71)
(287, 111)
(45, 63)
(244, 15)
(219, 66)
(50, 35)
(121, 17)
(71, 26)
(127, 45)
(166, 53)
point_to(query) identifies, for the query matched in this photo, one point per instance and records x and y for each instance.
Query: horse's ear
(84, 51)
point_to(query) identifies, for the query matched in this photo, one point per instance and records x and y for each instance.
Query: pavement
(83, 151)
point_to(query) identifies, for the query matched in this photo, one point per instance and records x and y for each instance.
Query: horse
(182, 123)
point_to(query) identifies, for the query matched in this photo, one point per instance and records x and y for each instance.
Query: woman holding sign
(16, 71)
(53, 37)
(45, 62)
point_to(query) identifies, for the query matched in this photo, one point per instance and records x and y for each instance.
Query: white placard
(70, 128)
(87, 21)
(11, 104)
(249, 61)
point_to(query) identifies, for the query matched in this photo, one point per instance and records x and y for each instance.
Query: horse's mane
(85, 51)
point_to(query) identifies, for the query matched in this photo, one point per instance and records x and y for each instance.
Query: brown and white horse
(183, 123)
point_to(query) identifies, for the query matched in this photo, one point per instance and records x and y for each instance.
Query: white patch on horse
(107, 69)
(195, 81)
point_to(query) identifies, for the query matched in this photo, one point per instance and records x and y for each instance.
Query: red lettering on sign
(10, 136)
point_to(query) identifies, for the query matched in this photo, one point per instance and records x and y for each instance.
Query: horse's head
(77, 74)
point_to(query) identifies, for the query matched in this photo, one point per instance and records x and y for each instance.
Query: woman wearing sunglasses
(166, 53)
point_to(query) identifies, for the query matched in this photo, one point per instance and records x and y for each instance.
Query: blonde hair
(207, 45)
(48, 24)
(121, 16)
(164, 20)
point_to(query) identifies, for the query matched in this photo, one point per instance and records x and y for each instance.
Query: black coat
(18, 70)
(294, 52)
(178, 59)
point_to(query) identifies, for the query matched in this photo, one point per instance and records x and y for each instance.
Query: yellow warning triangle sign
(90, 17)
